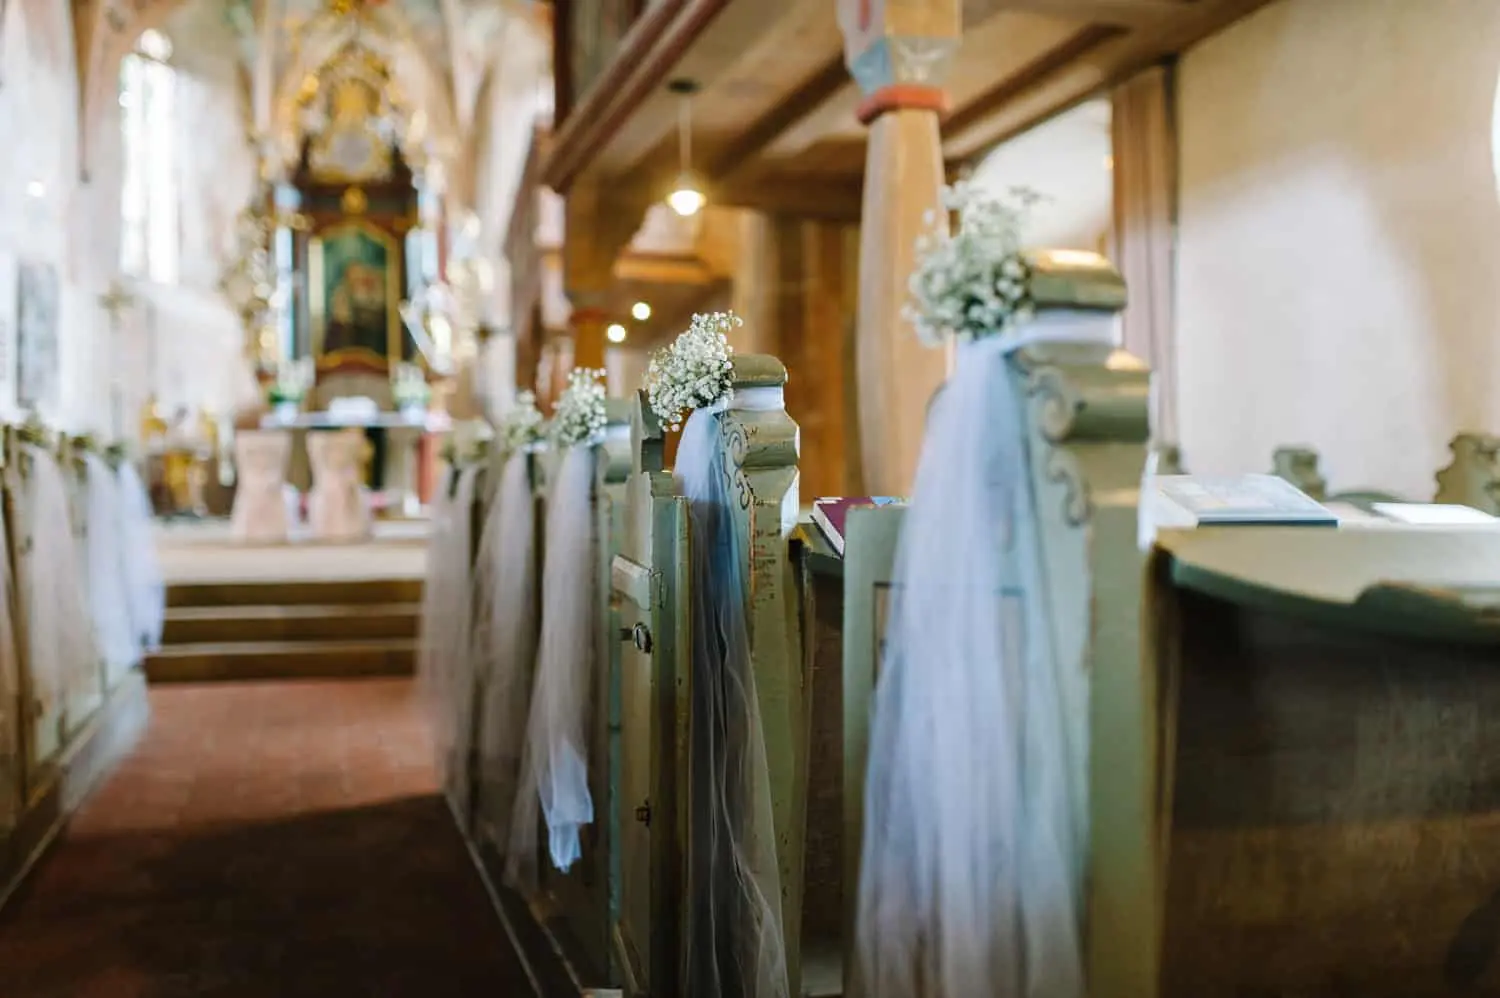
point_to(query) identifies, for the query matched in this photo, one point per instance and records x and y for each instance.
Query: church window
(148, 209)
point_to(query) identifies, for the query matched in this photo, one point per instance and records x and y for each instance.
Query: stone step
(244, 660)
(312, 622)
(332, 592)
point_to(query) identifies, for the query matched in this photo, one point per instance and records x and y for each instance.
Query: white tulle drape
(109, 597)
(975, 824)
(554, 771)
(445, 665)
(505, 635)
(63, 654)
(735, 943)
(145, 588)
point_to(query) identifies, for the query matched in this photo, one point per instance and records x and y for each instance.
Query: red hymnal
(831, 514)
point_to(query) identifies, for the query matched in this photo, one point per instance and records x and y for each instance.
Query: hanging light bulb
(687, 197)
(640, 311)
(615, 333)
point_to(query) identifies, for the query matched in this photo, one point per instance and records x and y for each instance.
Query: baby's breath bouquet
(974, 281)
(580, 408)
(694, 371)
(292, 382)
(522, 425)
(409, 388)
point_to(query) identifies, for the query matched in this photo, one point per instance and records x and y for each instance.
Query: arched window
(148, 104)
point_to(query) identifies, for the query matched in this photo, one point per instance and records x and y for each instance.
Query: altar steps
(222, 624)
(334, 629)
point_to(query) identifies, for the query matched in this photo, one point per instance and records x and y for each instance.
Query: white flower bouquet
(694, 371)
(523, 424)
(409, 388)
(292, 382)
(580, 408)
(974, 281)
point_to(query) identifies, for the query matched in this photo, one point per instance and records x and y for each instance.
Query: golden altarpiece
(352, 256)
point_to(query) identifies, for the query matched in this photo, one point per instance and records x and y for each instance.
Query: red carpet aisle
(265, 841)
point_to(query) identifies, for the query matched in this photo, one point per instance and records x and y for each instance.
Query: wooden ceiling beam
(1012, 109)
(1034, 73)
(1120, 13)
(832, 77)
(829, 199)
(646, 57)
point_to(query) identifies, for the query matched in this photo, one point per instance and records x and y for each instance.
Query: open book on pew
(832, 514)
(1235, 500)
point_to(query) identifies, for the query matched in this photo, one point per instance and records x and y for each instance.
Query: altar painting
(354, 277)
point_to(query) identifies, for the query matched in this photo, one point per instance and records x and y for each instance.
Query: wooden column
(898, 54)
(587, 324)
(599, 227)
(813, 325)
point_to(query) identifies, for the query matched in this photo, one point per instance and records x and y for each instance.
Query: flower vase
(286, 412)
(413, 412)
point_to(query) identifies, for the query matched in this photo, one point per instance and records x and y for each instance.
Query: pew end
(1327, 716)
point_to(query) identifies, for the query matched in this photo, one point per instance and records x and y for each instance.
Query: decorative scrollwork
(1055, 401)
(736, 448)
(1064, 469)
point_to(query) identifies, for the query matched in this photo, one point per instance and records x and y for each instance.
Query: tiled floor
(264, 841)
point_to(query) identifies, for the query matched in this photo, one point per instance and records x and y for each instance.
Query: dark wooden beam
(811, 94)
(1123, 13)
(829, 199)
(1094, 71)
(562, 60)
(1048, 64)
(647, 54)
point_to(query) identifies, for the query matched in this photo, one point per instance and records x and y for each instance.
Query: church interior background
(305, 266)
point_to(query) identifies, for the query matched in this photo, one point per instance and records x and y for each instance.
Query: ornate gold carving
(354, 201)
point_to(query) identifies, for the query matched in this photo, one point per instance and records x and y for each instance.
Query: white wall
(39, 191)
(74, 223)
(1339, 239)
(1068, 161)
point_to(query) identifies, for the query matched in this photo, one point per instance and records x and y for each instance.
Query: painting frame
(9, 320)
(319, 284)
(38, 355)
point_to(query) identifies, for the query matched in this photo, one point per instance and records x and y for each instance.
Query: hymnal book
(831, 514)
(1237, 500)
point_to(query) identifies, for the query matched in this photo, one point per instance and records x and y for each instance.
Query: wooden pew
(1472, 477)
(651, 582)
(56, 745)
(1326, 762)
(495, 779)
(1085, 423)
(582, 904)
(466, 458)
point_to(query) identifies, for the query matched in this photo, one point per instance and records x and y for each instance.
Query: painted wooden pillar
(898, 53)
(598, 228)
(587, 324)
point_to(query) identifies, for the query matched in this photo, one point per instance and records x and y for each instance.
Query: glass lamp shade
(686, 198)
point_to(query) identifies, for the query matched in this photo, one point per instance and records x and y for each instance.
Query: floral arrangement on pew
(409, 388)
(689, 386)
(973, 281)
(523, 425)
(554, 782)
(694, 371)
(291, 386)
(998, 854)
(580, 408)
